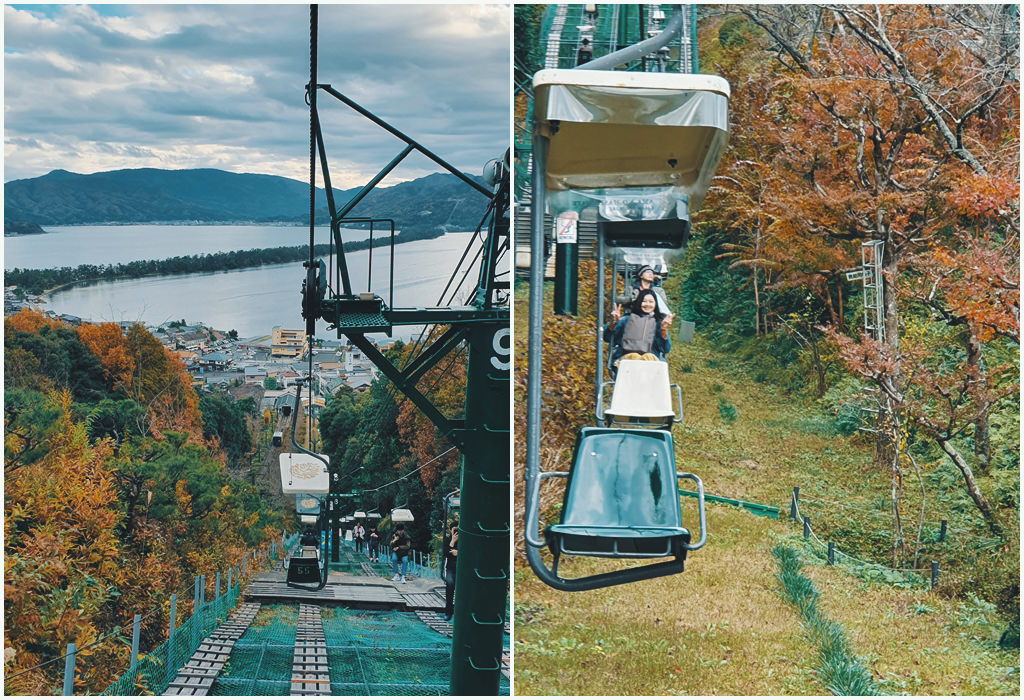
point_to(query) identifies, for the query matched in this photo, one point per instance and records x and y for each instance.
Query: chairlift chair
(640, 149)
(305, 476)
(641, 395)
(306, 565)
(402, 515)
(622, 502)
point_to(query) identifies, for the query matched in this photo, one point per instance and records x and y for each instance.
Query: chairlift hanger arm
(411, 142)
(295, 422)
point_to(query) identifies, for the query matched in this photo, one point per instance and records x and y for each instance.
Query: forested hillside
(437, 202)
(118, 490)
(847, 126)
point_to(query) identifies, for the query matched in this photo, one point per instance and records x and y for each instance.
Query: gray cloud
(178, 86)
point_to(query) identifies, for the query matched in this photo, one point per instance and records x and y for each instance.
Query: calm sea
(250, 301)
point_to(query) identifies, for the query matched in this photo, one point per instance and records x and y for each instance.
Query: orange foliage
(30, 321)
(106, 342)
(62, 556)
(163, 387)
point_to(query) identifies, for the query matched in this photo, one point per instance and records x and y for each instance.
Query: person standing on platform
(357, 534)
(451, 552)
(373, 540)
(400, 546)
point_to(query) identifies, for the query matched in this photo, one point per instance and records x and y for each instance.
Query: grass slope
(724, 626)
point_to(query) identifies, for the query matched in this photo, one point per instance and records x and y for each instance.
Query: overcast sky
(103, 87)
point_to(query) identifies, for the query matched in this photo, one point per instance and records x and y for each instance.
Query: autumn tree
(882, 125)
(162, 386)
(61, 565)
(107, 343)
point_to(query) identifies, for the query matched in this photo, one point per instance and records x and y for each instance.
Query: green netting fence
(369, 653)
(157, 669)
(154, 672)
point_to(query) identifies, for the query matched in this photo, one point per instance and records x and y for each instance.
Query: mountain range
(60, 198)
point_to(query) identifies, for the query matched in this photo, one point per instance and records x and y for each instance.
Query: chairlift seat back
(621, 498)
(642, 393)
(304, 569)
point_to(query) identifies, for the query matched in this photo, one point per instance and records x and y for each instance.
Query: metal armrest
(599, 409)
(700, 509)
(679, 403)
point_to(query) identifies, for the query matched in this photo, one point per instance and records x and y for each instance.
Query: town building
(288, 343)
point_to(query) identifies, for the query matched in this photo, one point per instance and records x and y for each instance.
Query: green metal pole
(332, 511)
(693, 38)
(482, 576)
(567, 258)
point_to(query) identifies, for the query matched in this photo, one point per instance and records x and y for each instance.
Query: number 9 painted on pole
(502, 344)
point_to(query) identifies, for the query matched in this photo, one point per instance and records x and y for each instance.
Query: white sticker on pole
(565, 229)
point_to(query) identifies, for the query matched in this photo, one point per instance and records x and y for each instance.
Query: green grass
(841, 672)
(720, 627)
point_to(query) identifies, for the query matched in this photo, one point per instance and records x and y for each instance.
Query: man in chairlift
(309, 539)
(643, 333)
(645, 280)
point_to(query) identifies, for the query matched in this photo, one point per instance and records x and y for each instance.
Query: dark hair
(635, 309)
(399, 526)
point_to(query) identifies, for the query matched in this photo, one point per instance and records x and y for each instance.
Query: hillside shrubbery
(115, 495)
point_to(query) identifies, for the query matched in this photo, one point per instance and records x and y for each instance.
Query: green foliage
(30, 422)
(60, 358)
(527, 50)
(116, 419)
(727, 411)
(736, 31)
(225, 420)
(841, 672)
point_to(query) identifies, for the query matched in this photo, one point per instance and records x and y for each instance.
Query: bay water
(250, 301)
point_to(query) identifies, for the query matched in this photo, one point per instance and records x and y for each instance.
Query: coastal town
(272, 363)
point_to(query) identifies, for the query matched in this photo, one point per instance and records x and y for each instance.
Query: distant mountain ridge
(147, 195)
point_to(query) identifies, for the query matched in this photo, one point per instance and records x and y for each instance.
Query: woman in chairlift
(641, 335)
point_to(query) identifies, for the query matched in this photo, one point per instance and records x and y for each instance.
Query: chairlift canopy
(301, 473)
(307, 519)
(359, 514)
(402, 515)
(612, 129)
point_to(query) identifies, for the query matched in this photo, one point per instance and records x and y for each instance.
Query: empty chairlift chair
(622, 501)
